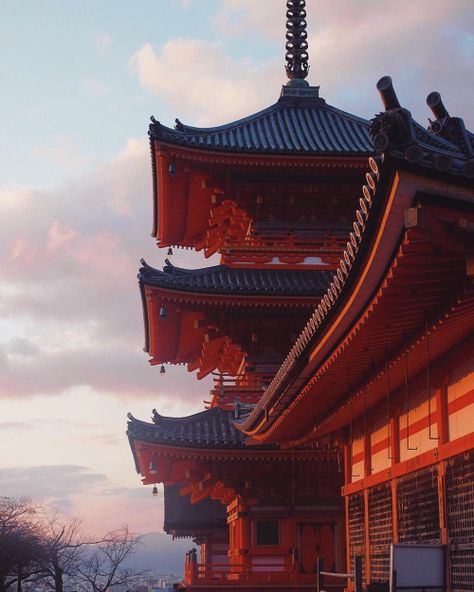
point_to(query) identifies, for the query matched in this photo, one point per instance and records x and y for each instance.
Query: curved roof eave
(221, 280)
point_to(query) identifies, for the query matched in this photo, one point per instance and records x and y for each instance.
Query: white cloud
(197, 78)
(13, 197)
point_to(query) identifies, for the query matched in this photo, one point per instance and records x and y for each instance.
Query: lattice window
(380, 531)
(357, 530)
(460, 515)
(417, 503)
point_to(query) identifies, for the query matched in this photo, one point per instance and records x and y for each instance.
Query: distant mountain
(160, 554)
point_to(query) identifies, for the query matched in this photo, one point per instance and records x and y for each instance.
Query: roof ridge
(195, 417)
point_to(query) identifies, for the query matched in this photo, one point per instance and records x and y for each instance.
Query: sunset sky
(79, 83)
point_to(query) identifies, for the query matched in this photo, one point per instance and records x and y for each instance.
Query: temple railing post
(191, 567)
(319, 575)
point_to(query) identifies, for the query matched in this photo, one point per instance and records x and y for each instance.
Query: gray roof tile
(221, 279)
(295, 126)
(212, 428)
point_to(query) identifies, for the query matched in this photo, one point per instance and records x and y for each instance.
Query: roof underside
(306, 126)
(183, 516)
(221, 279)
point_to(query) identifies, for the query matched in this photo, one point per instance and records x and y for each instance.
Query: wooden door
(315, 540)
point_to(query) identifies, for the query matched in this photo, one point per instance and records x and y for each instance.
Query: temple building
(338, 327)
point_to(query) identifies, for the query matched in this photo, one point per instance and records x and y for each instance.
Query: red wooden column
(442, 414)
(367, 539)
(347, 480)
(443, 438)
(245, 535)
(367, 454)
(348, 541)
(367, 472)
(395, 459)
(347, 463)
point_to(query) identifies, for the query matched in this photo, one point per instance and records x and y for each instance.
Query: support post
(358, 574)
(442, 413)
(367, 536)
(319, 576)
(347, 463)
(348, 538)
(393, 484)
(443, 521)
(394, 581)
(367, 454)
(395, 440)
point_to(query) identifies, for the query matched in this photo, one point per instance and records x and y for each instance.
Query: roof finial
(296, 44)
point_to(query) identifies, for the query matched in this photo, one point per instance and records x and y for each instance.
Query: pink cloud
(20, 251)
(60, 236)
(69, 258)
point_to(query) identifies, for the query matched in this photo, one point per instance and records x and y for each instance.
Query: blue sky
(79, 83)
(68, 90)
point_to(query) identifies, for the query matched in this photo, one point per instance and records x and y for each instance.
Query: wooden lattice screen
(417, 504)
(357, 530)
(460, 504)
(380, 531)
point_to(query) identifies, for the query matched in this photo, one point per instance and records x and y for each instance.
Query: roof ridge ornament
(296, 45)
(448, 127)
(297, 56)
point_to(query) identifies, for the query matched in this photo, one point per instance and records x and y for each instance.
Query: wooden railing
(269, 573)
(238, 573)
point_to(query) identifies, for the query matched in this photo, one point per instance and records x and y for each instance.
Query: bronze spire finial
(296, 44)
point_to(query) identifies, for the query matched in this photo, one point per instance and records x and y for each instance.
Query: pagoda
(385, 365)
(274, 194)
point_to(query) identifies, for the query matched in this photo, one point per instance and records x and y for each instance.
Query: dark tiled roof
(221, 279)
(398, 136)
(212, 428)
(293, 125)
(183, 516)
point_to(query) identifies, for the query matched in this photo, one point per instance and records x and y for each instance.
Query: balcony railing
(269, 571)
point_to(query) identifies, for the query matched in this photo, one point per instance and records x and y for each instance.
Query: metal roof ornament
(296, 45)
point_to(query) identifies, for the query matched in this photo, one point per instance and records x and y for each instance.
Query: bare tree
(65, 544)
(105, 565)
(21, 542)
(34, 547)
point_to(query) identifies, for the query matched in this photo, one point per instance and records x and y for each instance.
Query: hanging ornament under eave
(153, 467)
(170, 252)
(162, 370)
(154, 491)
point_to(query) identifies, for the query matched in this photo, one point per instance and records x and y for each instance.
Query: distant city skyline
(79, 84)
